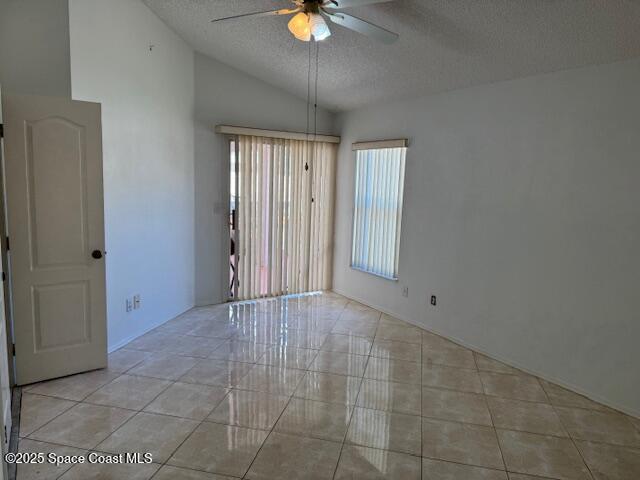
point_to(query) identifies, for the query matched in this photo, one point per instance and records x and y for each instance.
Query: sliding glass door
(281, 216)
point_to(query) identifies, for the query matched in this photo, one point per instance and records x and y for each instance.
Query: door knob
(96, 254)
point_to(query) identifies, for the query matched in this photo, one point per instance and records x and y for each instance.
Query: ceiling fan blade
(363, 27)
(268, 13)
(350, 3)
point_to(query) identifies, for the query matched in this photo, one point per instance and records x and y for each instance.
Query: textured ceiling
(444, 44)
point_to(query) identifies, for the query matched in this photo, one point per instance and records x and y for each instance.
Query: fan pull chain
(315, 101)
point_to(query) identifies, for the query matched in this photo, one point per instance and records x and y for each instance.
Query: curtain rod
(257, 132)
(401, 142)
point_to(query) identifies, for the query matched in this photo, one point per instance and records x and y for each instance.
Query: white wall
(147, 117)
(227, 96)
(34, 47)
(522, 214)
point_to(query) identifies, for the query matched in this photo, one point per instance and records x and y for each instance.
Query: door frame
(6, 287)
(232, 143)
(6, 265)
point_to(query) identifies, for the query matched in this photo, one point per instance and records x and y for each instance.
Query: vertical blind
(378, 210)
(285, 215)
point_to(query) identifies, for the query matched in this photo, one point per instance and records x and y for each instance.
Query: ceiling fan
(309, 19)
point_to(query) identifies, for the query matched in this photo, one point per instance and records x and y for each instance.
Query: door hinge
(1, 130)
(4, 277)
(13, 349)
(7, 242)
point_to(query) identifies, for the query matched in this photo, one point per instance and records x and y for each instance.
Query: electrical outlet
(136, 301)
(129, 304)
(405, 291)
(433, 300)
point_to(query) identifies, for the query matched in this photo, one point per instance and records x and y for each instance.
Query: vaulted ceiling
(443, 45)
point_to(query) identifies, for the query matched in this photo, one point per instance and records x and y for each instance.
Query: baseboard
(207, 302)
(122, 343)
(511, 363)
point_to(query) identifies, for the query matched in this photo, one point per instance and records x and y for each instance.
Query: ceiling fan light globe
(300, 27)
(319, 28)
(326, 33)
(322, 32)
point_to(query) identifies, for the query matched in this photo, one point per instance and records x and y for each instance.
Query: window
(378, 206)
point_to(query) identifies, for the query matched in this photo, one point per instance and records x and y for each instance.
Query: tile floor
(318, 387)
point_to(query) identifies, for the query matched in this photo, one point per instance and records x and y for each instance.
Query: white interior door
(53, 163)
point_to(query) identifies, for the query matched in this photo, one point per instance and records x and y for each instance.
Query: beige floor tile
(339, 363)
(388, 431)
(278, 381)
(517, 387)
(93, 471)
(566, 398)
(391, 370)
(122, 360)
(267, 336)
(221, 449)
(147, 432)
(328, 387)
(356, 315)
(399, 334)
(75, 387)
(191, 346)
(36, 410)
(373, 464)
(455, 406)
(168, 472)
(180, 325)
(166, 366)
(239, 351)
(242, 363)
(220, 373)
(388, 320)
(311, 324)
(303, 339)
(542, 455)
(520, 476)
(83, 426)
(221, 331)
(439, 470)
(288, 357)
(613, 428)
(461, 379)
(608, 462)
(317, 312)
(390, 396)
(336, 342)
(409, 352)
(289, 457)
(356, 328)
(487, 364)
(129, 391)
(308, 418)
(434, 341)
(451, 356)
(525, 416)
(154, 341)
(187, 400)
(249, 409)
(461, 443)
(44, 471)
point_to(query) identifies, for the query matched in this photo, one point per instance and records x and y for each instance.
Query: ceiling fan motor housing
(311, 6)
